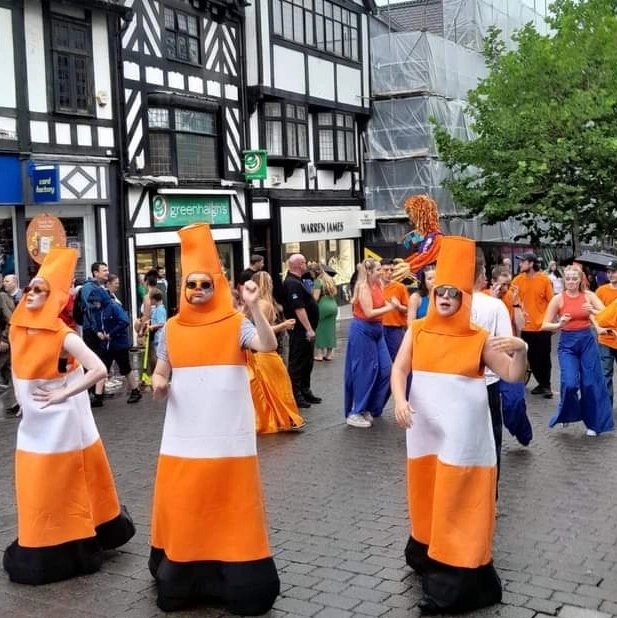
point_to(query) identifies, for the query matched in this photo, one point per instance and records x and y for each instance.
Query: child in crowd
(158, 317)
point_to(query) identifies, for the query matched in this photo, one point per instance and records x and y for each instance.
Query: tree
(546, 125)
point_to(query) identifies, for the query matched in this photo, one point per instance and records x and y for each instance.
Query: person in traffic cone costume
(209, 533)
(67, 507)
(451, 465)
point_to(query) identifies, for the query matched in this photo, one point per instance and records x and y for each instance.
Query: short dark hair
(156, 295)
(255, 258)
(387, 262)
(151, 277)
(96, 266)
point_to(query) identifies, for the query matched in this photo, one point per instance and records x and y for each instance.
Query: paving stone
(576, 612)
(336, 600)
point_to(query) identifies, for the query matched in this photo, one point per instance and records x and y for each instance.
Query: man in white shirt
(491, 314)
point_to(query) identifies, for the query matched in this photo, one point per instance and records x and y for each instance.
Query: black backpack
(78, 309)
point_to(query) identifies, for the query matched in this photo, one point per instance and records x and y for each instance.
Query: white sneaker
(591, 432)
(357, 420)
(367, 417)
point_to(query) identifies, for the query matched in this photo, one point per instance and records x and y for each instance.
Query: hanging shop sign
(45, 184)
(43, 234)
(180, 210)
(255, 164)
(319, 223)
(10, 187)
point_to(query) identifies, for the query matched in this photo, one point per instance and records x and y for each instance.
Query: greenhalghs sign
(180, 210)
(255, 164)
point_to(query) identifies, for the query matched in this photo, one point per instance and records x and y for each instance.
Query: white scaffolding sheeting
(407, 63)
(466, 22)
(401, 128)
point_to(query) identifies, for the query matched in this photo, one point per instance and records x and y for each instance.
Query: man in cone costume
(451, 465)
(67, 507)
(209, 534)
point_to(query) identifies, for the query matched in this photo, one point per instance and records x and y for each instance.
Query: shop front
(327, 235)
(154, 240)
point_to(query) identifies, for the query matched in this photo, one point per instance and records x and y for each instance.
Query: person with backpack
(84, 314)
(112, 324)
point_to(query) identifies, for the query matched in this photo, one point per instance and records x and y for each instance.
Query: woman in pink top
(584, 396)
(367, 361)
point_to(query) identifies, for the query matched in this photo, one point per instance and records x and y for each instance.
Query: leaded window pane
(63, 80)
(61, 35)
(308, 28)
(298, 24)
(326, 145)
(291, 111)
(170, 22)
(196, 156)
(182, 22)
(288, 23)
(195, 122)
(193, 51)
(292, 140)
(319, 33)
(319, 7)
(340, 120)
(276, 17)
(274, 137)
(158, 118)
(329, 35)
(354, 44)
(272, 109)
(170, 45)
(349, 121)
(300, 112)
(192, 25)
(327, 8)
(183, 48)
(351, 155)
(79, 39)
(160, 154)
(302, 141)
(324, 119)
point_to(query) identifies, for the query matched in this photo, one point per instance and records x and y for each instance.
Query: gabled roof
(414, 15)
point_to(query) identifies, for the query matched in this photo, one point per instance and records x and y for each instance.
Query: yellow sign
(371, 255)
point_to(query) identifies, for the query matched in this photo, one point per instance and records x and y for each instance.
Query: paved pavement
(337, 514)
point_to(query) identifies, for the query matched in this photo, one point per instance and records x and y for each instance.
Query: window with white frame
(286, 130)
(322, 24)
(183, 143)
(181, 36)
(335, 137)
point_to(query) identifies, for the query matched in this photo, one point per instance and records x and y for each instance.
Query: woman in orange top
(367, 360)
(275, 405)
(67, 507)
(584, 396)
(451, 465)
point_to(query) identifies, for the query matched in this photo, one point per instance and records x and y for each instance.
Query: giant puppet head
(48, 292)
(425, 238)
(205, 296)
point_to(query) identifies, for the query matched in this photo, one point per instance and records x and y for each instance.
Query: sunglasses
(36, 289)
(447, 291)
(200, 283)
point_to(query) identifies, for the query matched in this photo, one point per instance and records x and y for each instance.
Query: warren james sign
(181, 210)
(320, 223)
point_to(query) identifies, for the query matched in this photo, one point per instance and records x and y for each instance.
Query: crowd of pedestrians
(449, 355)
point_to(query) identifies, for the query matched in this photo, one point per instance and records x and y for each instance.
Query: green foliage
(546, 125)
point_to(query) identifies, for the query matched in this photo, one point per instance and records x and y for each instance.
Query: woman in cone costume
(451, 465)
(273, 398)
(67, 507)
(209, 534)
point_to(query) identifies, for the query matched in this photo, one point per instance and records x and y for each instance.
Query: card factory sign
(177, 211)
(320, 223)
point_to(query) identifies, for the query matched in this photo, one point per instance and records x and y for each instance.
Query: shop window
(72, 65)
(181, 36)
(317, 23)
(183, 143)
(335, 132)
(286, 130)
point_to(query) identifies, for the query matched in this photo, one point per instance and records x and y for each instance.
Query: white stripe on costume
(452, 420)
(59, 428)
(209, 413)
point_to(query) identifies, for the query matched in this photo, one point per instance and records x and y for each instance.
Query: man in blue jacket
(100, 272)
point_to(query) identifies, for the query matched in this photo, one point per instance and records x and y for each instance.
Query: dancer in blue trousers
(584, 396)
(367, 361)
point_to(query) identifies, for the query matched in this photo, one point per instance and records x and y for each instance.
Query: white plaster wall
(35, 58)
(7, 61)
(131, 70)
(63, 133)
(39, 131)
(102, 70)
(265, 42)
(8, 124)
(153, 75)
(321, 78)
(196, 84)
(252, 68)
(349, 89)
(84, 135)
(296, 181)
(366, 61)
(325, 179)
(254, 132)
(289, 70)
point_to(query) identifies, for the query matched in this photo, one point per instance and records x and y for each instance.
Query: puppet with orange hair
(425, 238)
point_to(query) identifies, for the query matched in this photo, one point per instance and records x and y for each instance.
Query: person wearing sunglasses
(583, 393)
(209, 533)
(451, 459)
(68, 508)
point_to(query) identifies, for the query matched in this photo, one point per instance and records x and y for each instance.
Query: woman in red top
(367, 361)
(584, 396)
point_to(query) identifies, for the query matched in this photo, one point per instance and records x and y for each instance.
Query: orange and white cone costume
(209, 533)
(67, 506)
(451, 465)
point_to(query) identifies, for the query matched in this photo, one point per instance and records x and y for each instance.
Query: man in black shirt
(256, 264)
(300, 305)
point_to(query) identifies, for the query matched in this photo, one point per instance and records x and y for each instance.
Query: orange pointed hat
(57, 270)
(456, 267)
(198, 254)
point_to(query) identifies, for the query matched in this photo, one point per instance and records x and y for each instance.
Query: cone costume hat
(451, 465)
(209, 534)
(67, 505)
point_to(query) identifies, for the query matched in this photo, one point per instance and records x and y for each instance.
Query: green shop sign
(255, 164)
(180, 210)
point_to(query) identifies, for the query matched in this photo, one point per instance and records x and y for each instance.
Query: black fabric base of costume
(44, 565)
(452, 590)
(242, 588)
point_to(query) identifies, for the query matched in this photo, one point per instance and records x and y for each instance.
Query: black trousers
(300, 362)
(494, 404)
(539, 355)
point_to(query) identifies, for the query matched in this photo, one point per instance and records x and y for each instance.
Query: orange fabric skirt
(275, 406)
